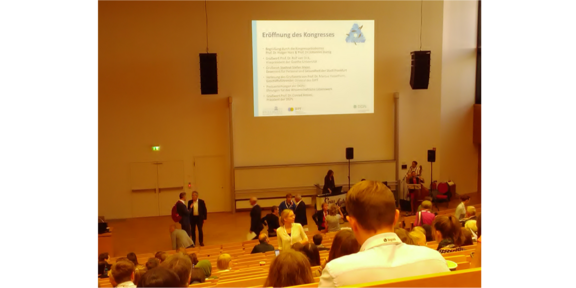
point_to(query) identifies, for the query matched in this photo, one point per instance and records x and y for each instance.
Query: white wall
(459, 156)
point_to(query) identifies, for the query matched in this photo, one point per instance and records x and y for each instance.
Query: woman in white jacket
(290, 232)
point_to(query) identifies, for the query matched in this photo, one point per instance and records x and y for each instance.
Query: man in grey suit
(180, 238)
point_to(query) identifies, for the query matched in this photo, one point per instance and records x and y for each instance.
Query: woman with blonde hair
(290, 232)
(223, 262)
(417, 238)
(290, 268)
(333, 219)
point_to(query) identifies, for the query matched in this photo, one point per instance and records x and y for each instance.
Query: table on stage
(106, 243)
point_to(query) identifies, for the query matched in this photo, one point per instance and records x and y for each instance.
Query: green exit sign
(155, 148)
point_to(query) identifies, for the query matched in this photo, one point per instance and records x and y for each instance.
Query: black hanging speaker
(208, 73)
(431, 155)
(420, 71)
(349, 153)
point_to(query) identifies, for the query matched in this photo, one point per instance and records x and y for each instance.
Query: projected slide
(313, 67)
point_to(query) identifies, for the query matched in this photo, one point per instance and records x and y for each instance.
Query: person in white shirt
(382, 256)
(290, 232)
(461, 209)
(122, 274)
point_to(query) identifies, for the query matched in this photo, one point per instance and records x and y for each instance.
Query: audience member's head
(197, 276)
(416, 237)
(344, 243)
(465, 199)
(312, 253)
(333, 210)
(447, 227)
(287, 217)
(206, 266)
(138, 272)
(288, 269)
(427, 205)
(183, 196)
(152, 263)
(297, 246)
(298, 197)
(288, 198)
(429, 235)
(467, 237)
(122, 271)
(181, 265)
(478, 224)
(402, 234)
(103, 257)
(471, 224)
(223, 262)
(324, 206)
(160, 255)
(317, 239)
(160, 277)
(471, 211)
(193, 258)
(263, 238)
(371, 208)
(275, 210)
(420, 229)
(194, 195)
(132, 257)
(253, 201)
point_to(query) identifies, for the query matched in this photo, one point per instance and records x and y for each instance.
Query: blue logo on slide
(355, 35)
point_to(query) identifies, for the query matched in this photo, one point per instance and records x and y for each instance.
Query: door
(155, 187)
(170, 185)
(144, 184)
(210, 177)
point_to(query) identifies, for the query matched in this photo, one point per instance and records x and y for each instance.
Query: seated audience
(477, 254)
(467, 237)
(288, 269)
(152, 263)
(416, 237)
(424, 216)
(138, 268)
(461, 209)
(160, 277)
(372, 217)
(181, 265)
(471, 226)
(427, 198)
(193, 259)
(290, 232)
(197, 276)
(429, 235)
(122, 274)
(297, 246)
(311, 252)
(161, 255)
(272, 221)
(402, 234)
(103, 266)
(318, 242)
(264, 245)
(448, 234)
(223, 262)
(206, 266)
(333, 219)
(419, 228)
(180, 238)
(344, 243)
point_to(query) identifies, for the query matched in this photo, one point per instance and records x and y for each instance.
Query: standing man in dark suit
(255, 217)
(198, 215)
(300, 211)
(184, 213)
(320, 217)
(272, 221)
